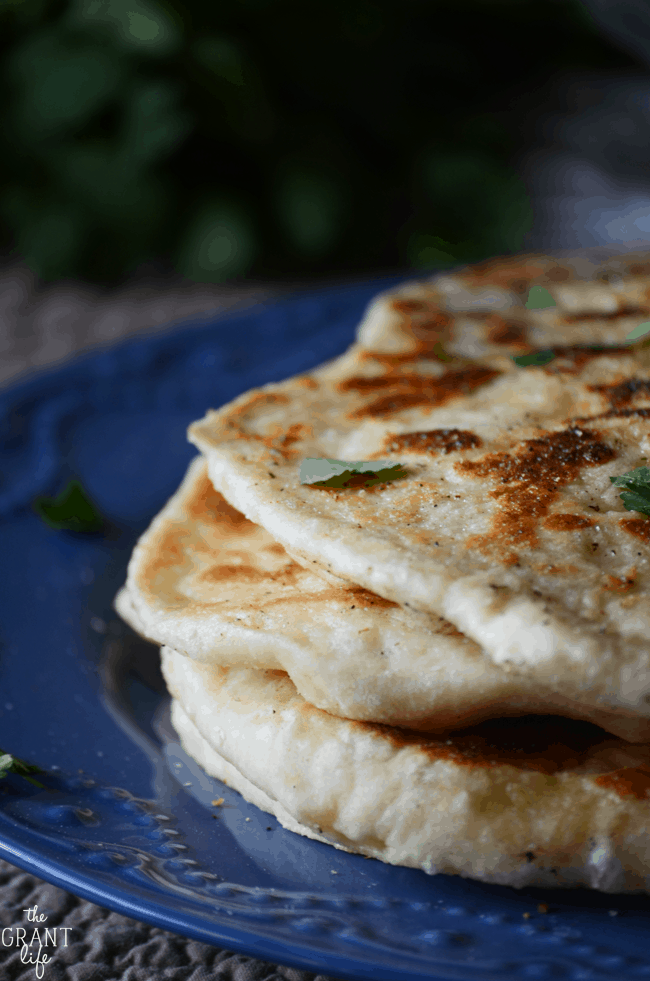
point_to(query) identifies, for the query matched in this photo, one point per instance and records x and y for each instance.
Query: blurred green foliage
(271, 138)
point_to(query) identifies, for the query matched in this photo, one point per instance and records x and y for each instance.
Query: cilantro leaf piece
(641, 330)
(534, 359)
(539, 299)
(320, 472)
(11, 764)
(72, 510)
(637, 483)
(440, 352)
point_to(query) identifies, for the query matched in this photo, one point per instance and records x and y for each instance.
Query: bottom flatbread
(519, 802)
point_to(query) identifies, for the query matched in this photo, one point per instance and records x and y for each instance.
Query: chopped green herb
(440, 352)
(534, 359)
(539, 299)
(11, 764)
(72, 510)
(342, 473)
(641, 330)
(637, 483)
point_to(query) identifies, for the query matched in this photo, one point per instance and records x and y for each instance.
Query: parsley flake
(637, 484)
(641, 330)
(72, 510)
(321, 472)
(440, 352)
(539, 299)
(535, 359)
(11, 764)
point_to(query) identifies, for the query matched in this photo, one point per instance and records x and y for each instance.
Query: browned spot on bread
(279, 439)
(425, 321)
(307, 382)
(364, 598)
(558, 570)
(567, 522)
(622, 585)
(625, 310)
(546, 744)
(409, 390)
(256, 401)
(639, 527)
(530, 480)
(558, 275)
(423, 318)
(169, 552)
(621, 394)
(447, 629)
(570, 360)
(411, 306)
(516, 275)
(246, 574)
(275, 549)
(283, 441)
(639, 269)
(505, 330)
(433, 441)
(153, 580)
(616, 414)
(208, 504)
(242, 572)
(392, 361)
(627, 782)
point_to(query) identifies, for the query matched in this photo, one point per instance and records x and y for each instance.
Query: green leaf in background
(123, 121)
(72, 510)
(342, 473)
(59, 83)
(154, 125)
(535, 359)
(139, 26)
(539, 299)
(637, 484)
(219, 244)
(11, 764)
(221, 56)
(482, 200)
(311, 210)
(49, 233)
(511, 214)
(430, 252)
(234, 80)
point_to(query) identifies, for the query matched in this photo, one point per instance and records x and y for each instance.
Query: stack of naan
(449, 670)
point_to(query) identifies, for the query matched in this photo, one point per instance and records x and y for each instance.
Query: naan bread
(545, 803)
(213, 585)
(480, 310)
(507, 525)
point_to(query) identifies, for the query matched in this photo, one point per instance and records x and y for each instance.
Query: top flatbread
(507, 525)
(212, 585)
(481, 310)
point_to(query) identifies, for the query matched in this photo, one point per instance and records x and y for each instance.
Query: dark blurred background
(278, 140)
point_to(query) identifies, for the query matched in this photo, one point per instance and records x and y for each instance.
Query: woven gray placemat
(105, 946)
(40, 328)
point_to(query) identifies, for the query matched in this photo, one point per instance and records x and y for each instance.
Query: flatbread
(216, 587)
(481, 310)
(507, 525)
(544, 803)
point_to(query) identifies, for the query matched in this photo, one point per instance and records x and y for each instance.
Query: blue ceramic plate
(125, 818)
